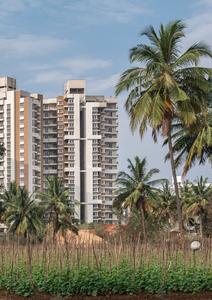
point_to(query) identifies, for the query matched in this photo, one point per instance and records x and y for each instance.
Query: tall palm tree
(57, 205)
(136, 189)
(197, 200)
(169, 85)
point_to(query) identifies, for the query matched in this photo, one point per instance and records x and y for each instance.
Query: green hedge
(118, 280)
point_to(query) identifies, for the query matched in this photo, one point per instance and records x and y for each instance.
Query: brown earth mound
(85, 236)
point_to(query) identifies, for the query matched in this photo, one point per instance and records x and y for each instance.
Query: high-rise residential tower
(90, 151)
(21, 133)
(86, 149)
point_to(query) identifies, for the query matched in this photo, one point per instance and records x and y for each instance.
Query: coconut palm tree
(168, 84)
(22, 216)
(57, 205)
(137, 189)
(21, 213)
(197, 200)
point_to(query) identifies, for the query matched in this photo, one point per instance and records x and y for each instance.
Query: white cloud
(88, 11)
(68, 68)
(200, 27)
(96, 11)
(29, 44)
(200, 24)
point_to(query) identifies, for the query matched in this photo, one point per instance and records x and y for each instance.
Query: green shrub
(122, 279)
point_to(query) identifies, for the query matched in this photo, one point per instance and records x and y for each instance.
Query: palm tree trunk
(178, 202)
(55, 227)
(29, 252)
(201, 225)
(143, 222)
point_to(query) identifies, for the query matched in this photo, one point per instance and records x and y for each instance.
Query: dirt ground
(85, 236)
(173, 296)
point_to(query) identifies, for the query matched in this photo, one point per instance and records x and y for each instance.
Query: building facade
(90, 151)
(81, 147)
(50, 139)
(21, 133)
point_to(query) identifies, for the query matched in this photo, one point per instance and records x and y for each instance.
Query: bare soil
(172, 296)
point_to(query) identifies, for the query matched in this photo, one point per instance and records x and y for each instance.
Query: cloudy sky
(43, 43)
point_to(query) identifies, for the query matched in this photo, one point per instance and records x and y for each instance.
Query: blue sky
(43, 43)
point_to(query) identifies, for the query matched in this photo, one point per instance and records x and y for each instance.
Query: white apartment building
(21, 134)
(86, 149)
(90, 151)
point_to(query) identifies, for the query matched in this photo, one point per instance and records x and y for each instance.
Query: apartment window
(96, 165)
(96, 132)
(71, 142)
(76, 91)
(22, 105)
(95, 142)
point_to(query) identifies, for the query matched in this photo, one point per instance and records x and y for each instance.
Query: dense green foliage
(26, 215)
(149, 205)
(55, 200)
(137, 189)
(168, 85)
(122, 279)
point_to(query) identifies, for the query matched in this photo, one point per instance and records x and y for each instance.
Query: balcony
(50, 172)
